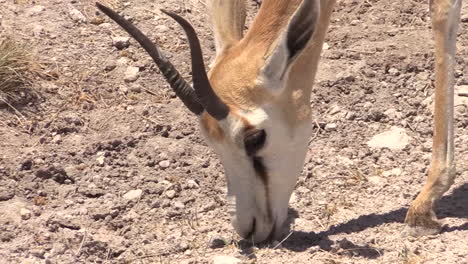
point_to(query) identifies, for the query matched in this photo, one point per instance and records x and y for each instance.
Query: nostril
(252, 229)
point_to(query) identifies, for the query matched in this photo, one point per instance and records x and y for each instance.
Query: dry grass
(17, 69)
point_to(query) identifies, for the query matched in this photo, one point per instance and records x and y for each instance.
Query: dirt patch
(108, 170)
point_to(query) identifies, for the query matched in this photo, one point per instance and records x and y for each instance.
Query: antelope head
(253, 106)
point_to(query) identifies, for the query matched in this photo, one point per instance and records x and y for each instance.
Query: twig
(82, 243)
(282, 241)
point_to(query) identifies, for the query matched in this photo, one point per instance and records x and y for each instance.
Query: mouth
(251, 234)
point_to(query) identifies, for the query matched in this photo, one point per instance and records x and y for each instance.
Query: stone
(101, 160)
(35, 10)
(331, 127)
(131, 74)
(393, 114)
(392, 172)
(76, 15)
(191, 184)
(225, 260)
(170, 194)
(354, 22)
(133, 194)
(376, 180)
(218, 242)
(394, 139)
(121, 42)
(164, 164)
(25, 213)
(179, 205)
(57, 139)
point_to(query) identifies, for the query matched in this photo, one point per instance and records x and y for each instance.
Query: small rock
(179, 205)
(392, 172)
(25, 213)
(225, 260)
(354, 22)
(133, 194)
(170, 194)
(121, 42)
(76, 15)
(394, 72)
(464, 18)
(350, 115)
(394, 139)
(393, 114)
(136, 88)
(35, 10)
(376, 180)
(131, 74)
(331, 127)
(123, 61)
(6, 193)
(162, 28)
(164, 164)
(57, 139)
(110, 66)
(218, 242)
(191, 184)
(334, 110)
(101, 160)
(26, 165)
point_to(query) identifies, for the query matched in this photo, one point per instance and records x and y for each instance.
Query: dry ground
(74, 161)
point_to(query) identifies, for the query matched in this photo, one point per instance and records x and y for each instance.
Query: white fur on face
(283, 157)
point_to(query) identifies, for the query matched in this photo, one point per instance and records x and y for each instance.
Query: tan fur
(236, 70)
(238, 66)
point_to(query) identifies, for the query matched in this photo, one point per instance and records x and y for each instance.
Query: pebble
(121, 42)
(131, 74)
(376, 180)
(179, 205)
(164, 164)
(394, 139)
(110, 66)
(225, 260)
(76, 15)
(218, 242)
(101, 160)
(25, 213)
(35, 10)
(133, 194)
(191, 184)
(331, 127)
(170, 194)
(354, 22)
(57, 139)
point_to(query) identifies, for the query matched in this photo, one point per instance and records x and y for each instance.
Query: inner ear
(301, 27)
(291, 42)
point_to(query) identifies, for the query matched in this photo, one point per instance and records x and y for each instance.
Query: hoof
(420, 231)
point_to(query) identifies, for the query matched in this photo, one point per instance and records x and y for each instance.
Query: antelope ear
(228, 18)
(289, 45)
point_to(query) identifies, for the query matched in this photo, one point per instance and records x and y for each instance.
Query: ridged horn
(181, 88)
(208, 98)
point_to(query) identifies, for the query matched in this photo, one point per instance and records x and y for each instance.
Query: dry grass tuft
(17, 69)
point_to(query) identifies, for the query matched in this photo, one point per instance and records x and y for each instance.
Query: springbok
(254, 104)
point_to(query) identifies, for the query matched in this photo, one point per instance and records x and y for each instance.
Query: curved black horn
(208, 98)
(177, 83)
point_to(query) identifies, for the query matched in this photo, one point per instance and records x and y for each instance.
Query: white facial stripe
(282, 155)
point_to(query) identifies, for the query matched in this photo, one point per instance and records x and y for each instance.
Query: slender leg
(445, 15)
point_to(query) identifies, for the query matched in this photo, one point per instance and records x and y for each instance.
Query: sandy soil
(102, 170)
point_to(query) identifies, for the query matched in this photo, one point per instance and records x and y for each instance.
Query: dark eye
(254, 141)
